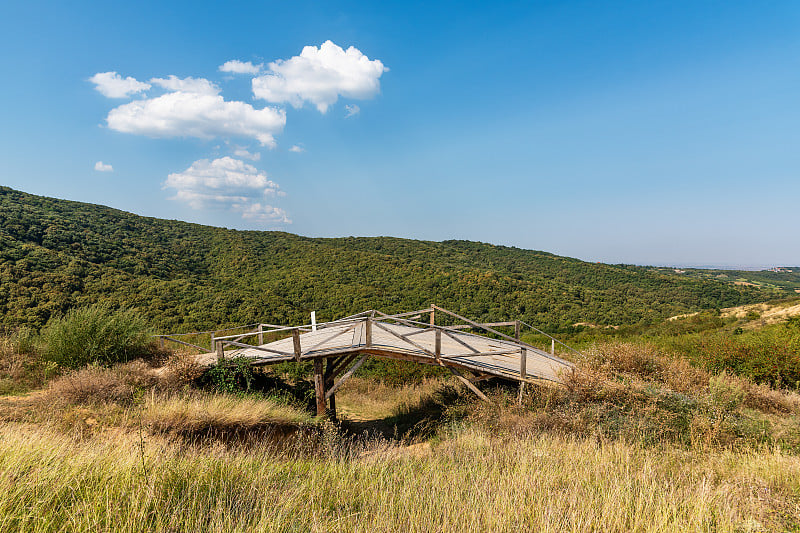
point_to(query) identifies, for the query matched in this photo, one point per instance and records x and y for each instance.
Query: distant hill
(57, 254)
(783, 278)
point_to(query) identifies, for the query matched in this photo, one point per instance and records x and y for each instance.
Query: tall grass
(95, 335)
(471, 481)
(21, 364)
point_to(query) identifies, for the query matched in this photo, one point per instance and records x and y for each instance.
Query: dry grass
(471, 481)
(95, 384)
(219, 413)
(122, 383)
(647, 363)
(367, 399)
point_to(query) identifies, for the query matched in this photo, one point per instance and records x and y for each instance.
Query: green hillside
(57, 254)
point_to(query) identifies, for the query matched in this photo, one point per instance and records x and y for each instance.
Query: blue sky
(636, 132)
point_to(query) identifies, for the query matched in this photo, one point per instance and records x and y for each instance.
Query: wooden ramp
(339, 348)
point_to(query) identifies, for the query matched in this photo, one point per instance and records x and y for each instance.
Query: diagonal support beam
(346, 376)
(341, 364)
(469, 384)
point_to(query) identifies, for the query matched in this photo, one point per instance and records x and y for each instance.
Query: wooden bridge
(339, 348)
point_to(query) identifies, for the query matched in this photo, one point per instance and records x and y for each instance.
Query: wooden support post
(523, 363)
(332, 410)
(552, 346)
(319, 386)
(516, 329)
(437, 350)
(368, 332)
(220, 351)
(296, 342)
(433, 315)
(161, 343)
(521, 392)
(260, 334)
(213, 346)
(329, 370)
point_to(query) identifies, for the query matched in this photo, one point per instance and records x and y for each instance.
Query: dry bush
(642, 360)
(648, 363)
(94, 384)
(679, 375)
(759, 396)
(179, 372)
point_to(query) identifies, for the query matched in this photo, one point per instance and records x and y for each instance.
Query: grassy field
(639, 438)
(467, 481)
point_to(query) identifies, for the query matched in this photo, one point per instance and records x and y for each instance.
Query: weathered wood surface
(498, 357)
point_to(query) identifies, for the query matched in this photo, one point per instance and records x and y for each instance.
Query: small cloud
(252, 156)
(265, 214)
(352, 110)
(320, 75)
(228, 184)
(103, 167)
(297, 149)
(234, 66)
(112, 85)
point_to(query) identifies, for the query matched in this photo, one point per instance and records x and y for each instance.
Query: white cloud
(103, 167)
(265, 214)
(201, 115)
(242, 152)
(320, 76)
(228, 183)
(235, 66)
(352, 110)
(297, 149)
(186, 85)
(112, 85)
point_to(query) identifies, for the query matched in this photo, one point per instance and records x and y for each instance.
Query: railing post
(296, 342)
(368, 332)
(523, 362)
(516, 329)
(261, 334)
(433, 315)
(437, 350)
(552, 346)
(213, 345)
(220, 346)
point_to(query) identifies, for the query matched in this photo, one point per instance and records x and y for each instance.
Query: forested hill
(57, 254)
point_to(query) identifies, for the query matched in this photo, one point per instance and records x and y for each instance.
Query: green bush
(229, 375)
(96, 335)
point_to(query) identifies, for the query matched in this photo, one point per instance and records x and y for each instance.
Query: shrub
(96, 384)
(229, 375)
(727, 393)
(95, 335)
